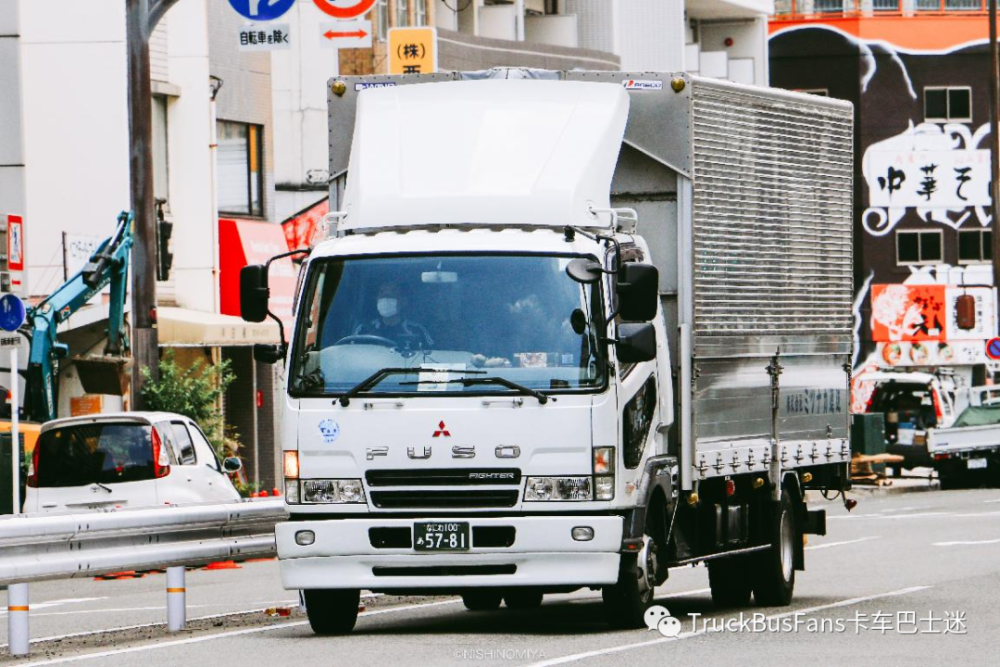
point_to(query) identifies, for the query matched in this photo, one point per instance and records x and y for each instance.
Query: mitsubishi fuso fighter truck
(569, 330)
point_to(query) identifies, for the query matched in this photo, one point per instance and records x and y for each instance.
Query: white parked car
(129, 459)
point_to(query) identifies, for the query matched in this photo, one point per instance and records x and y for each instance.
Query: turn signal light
(292, 464)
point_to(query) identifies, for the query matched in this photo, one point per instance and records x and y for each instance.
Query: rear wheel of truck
(730, 581)
(485, 600)
(626, 602)
(774, 569)
(332, 612)
(526, 599)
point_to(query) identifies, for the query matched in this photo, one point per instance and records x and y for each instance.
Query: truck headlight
(558, 488)
(332, 491)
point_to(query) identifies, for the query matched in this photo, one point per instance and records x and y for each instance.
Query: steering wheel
(367, 339)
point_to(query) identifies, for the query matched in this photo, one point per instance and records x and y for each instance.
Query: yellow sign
(412, 50)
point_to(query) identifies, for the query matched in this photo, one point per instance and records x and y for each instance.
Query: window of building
(975, 245)
(948, 103)
(382, 11)
(948, 5)
(829, 5)
(241, 178)
(886, 5)
(419, 12)
(402, 13)
(160, 157)
(923, 247)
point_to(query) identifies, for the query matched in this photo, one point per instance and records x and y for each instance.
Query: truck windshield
(447, 317)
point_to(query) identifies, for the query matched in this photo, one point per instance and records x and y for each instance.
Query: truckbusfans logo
(442, 430)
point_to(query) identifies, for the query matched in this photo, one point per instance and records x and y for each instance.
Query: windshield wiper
(106, 488)
(375, 378)
(502, 381)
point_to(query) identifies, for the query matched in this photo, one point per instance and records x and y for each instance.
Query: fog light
(583, 533)
(304, 538)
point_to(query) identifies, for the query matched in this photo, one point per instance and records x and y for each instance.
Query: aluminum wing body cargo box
(744, 197)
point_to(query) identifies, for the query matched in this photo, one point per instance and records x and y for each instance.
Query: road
(885, 575)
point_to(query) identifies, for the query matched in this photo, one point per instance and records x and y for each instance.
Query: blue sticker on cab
(329, 429)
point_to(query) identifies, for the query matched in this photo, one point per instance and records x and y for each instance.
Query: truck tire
(730, 581)
(332, 612)
(774, 569)
(523, 599)
(626, 602)
(482, 600)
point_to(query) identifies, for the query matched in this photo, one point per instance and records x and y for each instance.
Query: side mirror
(232, 464)
(584, 271)
(268, 354)
(638, 292)
(636, 342)
(253, 292)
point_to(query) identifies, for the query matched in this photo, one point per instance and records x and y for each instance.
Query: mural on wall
(938, 170)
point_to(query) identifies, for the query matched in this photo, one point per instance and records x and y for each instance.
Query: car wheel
(626, 602)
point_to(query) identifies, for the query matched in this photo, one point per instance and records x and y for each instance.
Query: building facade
(917, 73)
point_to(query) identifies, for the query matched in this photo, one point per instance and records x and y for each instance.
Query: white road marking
(220, 635)
(627, 647)
(965, 543)
(826, 545)
(989, 502)
(890, 516)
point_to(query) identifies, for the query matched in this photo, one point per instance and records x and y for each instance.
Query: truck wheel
(730, 581)
(626, 602)
(332, 612)
(774, 571)
(484, 600)
(523, 599)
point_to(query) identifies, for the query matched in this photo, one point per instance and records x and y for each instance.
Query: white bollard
(17, 619)
(176, 599)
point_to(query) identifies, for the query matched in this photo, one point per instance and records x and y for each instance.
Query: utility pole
(994, 143)
(141, 19)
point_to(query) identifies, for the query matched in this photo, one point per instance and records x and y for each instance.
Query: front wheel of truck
(774, 571)
(485, 600)
(626, 602)
(332, 612)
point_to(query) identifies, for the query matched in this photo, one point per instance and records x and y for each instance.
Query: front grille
(444, 477)
(443, 570)
(444, 499)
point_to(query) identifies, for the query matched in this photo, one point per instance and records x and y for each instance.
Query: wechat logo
(658, 618)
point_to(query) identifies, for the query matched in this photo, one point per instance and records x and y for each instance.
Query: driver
(391, 323)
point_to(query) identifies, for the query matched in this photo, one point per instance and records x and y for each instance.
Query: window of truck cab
(446, 316)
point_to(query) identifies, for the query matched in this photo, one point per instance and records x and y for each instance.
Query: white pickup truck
(932, 422)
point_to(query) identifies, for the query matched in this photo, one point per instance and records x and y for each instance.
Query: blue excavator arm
(108, 265)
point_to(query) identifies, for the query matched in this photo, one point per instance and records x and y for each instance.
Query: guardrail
(62, 546)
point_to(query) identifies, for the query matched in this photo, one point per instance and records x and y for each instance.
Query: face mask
(387, 307)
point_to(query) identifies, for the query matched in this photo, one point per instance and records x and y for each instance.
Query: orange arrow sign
(359, 34)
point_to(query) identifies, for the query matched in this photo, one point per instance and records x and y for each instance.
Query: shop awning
(183, 327)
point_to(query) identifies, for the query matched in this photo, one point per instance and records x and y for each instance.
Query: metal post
(176, 599)
(15, 441)
(18, 637)
(519, 19)
(994, 142)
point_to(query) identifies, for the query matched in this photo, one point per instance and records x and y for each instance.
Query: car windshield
(95, 453)
(519, 318)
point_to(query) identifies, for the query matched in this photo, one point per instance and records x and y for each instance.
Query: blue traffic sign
(12, 312)
(993, 348)
(261, 10)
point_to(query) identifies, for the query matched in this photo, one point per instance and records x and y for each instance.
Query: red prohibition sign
(355, 10)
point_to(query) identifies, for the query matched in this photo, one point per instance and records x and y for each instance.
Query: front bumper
(543, 553)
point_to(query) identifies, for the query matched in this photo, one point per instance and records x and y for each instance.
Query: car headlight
(332, 491)
(558, 488)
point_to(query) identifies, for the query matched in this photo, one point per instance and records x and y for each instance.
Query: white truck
(569, 330)
(931, 421)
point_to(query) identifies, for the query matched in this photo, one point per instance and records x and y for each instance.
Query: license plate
(976, 464)
(441, 536)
